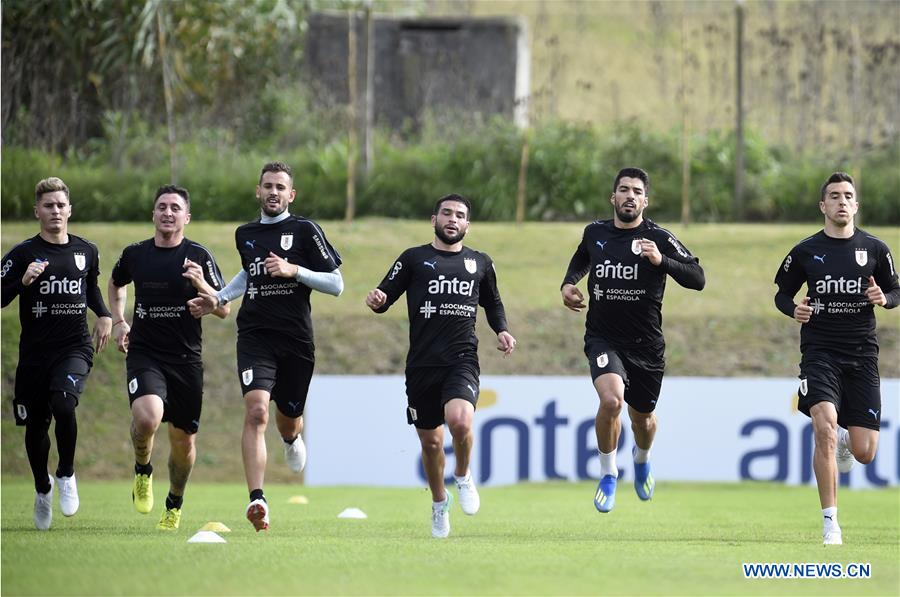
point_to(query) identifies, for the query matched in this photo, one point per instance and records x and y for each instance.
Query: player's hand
(204, 304)
(506, 343)
(803, 311)
(875, 294)
(376, 299)
(572, 297)
(650, 251)
(194, 273)
(102, 329)
(121, 334)
(278, 267)
(34, 269)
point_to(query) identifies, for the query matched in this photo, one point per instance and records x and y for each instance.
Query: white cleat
(440, 518)
(43, 508)
(258, 515)
(295, 454)
(68, 495)
(832, 537)
(468, 494)
(843, 455)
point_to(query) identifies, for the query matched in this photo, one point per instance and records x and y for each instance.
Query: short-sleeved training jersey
(162, 325)
(53, 308)
(443, 291)
(836, 272)
(278, 305)
(626, 291)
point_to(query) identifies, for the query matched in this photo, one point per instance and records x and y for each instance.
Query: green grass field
(527, 539)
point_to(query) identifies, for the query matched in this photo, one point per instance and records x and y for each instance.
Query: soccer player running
(54, 274)
(164, 368)
(284, 258)
(847, 272)
(627, 260)
(444, 284)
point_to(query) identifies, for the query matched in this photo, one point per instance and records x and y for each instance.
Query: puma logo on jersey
(821, 259)
(874, 413)
(431, 264)
(601, 244)
(74, 380)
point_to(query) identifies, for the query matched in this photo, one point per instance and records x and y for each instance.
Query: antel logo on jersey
(453, 286)
(616, 271)
(839, 286)
(61, 286)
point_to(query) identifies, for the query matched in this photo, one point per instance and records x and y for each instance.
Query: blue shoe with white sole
(605, 498)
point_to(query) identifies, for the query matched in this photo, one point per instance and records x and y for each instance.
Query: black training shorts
(852, 384)
(281, 368)
(428, 389)
(37, 380)
(180, 385)
(640, 369)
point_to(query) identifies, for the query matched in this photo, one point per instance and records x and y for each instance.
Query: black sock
(143, 469)
(174, 501)
(257, 494)
(66, 431)
(290, 441)
(37, 446)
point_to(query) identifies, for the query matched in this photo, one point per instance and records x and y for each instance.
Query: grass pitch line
(206, 537)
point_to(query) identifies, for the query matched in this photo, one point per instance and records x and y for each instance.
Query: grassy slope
(527, 539)
(730, 329)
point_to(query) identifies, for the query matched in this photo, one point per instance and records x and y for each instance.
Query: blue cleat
(644, 483)
(605, 498)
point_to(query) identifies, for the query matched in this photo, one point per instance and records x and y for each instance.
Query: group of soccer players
(284, 257)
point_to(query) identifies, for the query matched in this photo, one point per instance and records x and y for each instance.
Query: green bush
(570, 174)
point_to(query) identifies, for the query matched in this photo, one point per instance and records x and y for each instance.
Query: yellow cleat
(169, 520)
(142, 493)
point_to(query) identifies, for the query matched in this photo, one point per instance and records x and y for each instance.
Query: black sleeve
(396, 281)
(789, 278)
(785, 303)
(121, 272)
(489, 299)
(687, 273)
(886, 277)
(94, 296)
(679, 263)
(320, 254)
(578, 265)
(11, 277)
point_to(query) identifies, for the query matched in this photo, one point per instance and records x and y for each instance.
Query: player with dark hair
(163, 347)
(627, 260)
(445, 283)
(283, 258)
(54, 274)
(847, 272)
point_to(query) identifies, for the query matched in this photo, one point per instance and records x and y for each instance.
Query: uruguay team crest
(636, 246)
(132, 385)
(287, 240)
(602, 360)
(471, 265)
(80, 261)
(803, 387)
(247, 376)
(862, 257)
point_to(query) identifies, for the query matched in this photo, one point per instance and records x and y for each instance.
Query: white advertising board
(535, 428)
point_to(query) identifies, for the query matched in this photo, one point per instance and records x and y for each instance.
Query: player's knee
(611, 404)
(62, 405)
(826, 438)
(182, 444)
(459, 426)
(642, 422)
(431, 446)
(257, 414)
